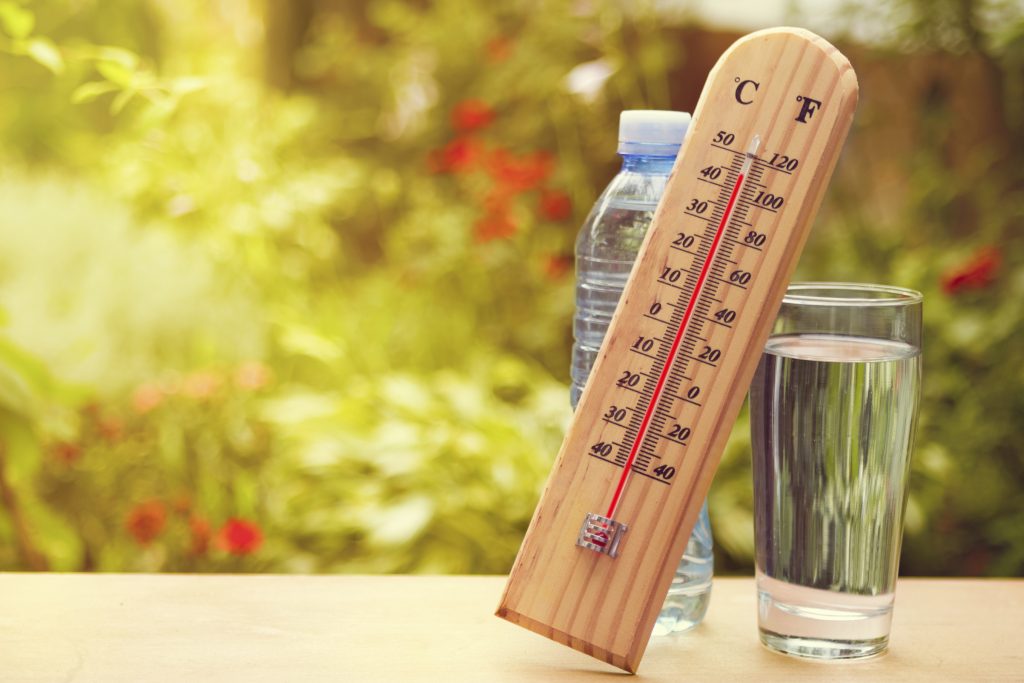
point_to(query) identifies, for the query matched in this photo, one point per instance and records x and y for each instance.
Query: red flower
(240, 537)
(66, 451)
(110, 428)
(498, 49)
(519, 173)
(200, 533)
(470, 115)
(977, 273)
(461, 154)
(91, 410)
(497, 200)
(201, 385)
(147, 397)
(556, 266)
(493, 226)
(182, 504)
(554, 205)
(252, 376)
(146, 521)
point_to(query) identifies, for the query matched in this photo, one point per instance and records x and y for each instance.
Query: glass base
(821, 624)
(817, 648)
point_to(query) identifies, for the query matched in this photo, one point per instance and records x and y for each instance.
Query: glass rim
(849, 294)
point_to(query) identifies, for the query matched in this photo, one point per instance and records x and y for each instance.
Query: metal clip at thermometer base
(601, 534)
(683, 345)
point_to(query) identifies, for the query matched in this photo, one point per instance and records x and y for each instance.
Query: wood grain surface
(399, 629)
(797, 94)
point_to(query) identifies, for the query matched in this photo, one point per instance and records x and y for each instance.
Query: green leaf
(116, 55)
(43, 51)
(117, 72)
(188, 84)
(54, 534)
(158, 110)
(24, 381)
(299, 408)
(87, 92)
(121, 101)
(307, 341)
(17, 21)
(399, 523)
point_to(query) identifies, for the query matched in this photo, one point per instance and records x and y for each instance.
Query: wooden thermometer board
(649, 431)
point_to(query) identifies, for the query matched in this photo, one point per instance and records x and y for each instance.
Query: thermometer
(650, 428)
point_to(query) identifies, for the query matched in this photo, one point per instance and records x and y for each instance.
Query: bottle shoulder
(632, 188)
(619, 219)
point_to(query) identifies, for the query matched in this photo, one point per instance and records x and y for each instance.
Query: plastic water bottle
(605, 250)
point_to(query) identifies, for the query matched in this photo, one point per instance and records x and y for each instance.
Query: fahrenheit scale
(683, 345)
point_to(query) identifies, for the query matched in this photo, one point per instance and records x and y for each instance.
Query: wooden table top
(145, 627)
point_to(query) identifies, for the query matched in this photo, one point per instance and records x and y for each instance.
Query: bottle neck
(641, 163)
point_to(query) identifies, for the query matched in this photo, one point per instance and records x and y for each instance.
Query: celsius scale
(650, 428)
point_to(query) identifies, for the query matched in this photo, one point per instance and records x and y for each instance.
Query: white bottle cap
(652, 131)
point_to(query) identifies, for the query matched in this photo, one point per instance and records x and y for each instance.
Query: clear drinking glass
(832, 413)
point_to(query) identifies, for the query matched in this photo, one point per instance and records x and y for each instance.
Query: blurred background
(287, 286)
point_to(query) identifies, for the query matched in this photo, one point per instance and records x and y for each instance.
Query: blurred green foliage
(287, 286)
